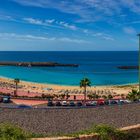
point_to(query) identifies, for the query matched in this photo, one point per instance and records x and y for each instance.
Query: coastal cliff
(37, 64)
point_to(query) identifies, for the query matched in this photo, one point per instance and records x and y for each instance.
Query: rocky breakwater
(128, 67)
(37, 64)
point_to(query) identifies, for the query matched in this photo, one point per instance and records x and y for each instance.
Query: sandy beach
(38, 88)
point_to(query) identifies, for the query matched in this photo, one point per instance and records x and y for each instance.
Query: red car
(100, 102)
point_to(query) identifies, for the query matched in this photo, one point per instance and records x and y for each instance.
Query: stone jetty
(37, 64)
(128, 67)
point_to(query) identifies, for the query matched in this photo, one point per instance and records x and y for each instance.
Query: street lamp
(139, 61)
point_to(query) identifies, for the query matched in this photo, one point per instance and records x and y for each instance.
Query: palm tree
(109, 96)
(90, 96)
(62, 96)
(16, 81)
(83, 84)
(67, 96)
(133, 95)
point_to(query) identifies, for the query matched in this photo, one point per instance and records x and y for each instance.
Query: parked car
(100, 102)
(24, 106)
(79, 104)
(64, 103)
(6, 99)
(88, 104)
(121, 102)
(71, 103)
(106, 102)
(113, 102)
(58, 104)
(136, 100)
(127, 101)
(1, 99)
(93, 103)
(50, 103)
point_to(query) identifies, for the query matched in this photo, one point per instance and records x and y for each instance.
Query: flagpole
(139, 61)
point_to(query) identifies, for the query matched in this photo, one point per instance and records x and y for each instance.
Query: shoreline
(70, 86)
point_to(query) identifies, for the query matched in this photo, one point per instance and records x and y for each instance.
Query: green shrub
(126, 136)
(10, 132)
(106, 132)
(110, 133)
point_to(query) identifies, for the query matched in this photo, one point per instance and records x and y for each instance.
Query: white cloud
(50, 22)
(89, 10)
(103, 36)
(21, 37)
(7, 18)
(65, 39)
(98, 34)
(33, 21)
(59, 24)
(134, 22)
(108, 38)
(28, 37)
(129, 30)
(85, 31)
(133, 5)
(64, 24)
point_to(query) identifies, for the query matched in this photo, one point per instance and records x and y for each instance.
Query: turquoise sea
(99, 67)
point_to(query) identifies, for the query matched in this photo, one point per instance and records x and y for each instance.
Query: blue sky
(69, 25)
